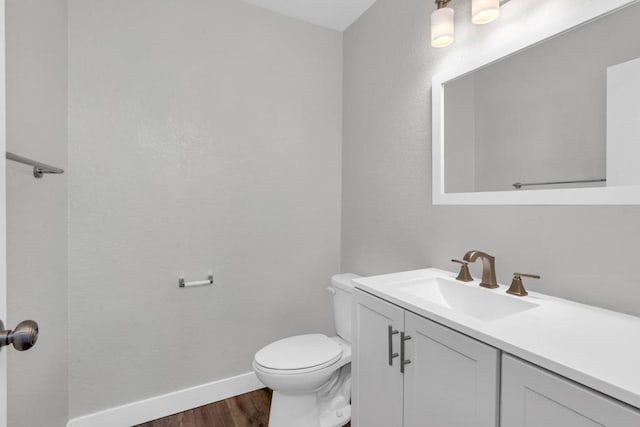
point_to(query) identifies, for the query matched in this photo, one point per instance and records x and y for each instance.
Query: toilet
(310, 375)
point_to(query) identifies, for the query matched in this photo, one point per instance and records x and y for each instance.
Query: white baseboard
(171, 403)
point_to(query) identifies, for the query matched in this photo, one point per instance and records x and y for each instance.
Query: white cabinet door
(452, 379)
(534, 397)
(377, 383)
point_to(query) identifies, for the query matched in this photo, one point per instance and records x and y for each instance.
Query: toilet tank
(342, 290)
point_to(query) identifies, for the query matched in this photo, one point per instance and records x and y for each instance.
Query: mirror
(534, 125)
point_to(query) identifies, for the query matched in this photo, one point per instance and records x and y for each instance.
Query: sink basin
(483, 304)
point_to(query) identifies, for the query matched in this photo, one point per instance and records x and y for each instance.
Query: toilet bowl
(310, 375)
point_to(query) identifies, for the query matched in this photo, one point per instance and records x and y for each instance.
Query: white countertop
(592, 346)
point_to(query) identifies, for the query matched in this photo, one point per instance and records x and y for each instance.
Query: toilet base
(289, 410)
(302, 410)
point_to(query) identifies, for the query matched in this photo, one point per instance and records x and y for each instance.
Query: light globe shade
(484, 11)
(442, 29)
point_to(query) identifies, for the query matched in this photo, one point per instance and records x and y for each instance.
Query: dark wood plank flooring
(246, 410)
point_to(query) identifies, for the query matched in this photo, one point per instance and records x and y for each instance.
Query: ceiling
(333, 14)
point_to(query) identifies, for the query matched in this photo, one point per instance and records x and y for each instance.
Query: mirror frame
(618, 195)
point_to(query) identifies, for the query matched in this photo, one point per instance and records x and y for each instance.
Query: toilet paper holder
(183, 284)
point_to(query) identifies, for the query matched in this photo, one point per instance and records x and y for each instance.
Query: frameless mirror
(561, 114)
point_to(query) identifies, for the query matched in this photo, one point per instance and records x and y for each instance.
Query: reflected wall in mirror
(564, 113)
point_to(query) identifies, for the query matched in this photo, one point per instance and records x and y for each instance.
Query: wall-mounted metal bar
(38, 168)
(519, 185)
(183, 284)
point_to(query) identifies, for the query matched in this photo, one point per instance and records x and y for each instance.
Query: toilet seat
(299, 354)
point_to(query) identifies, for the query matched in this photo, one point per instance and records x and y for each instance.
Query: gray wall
(204, 136)
(36, 43)
(585, 253)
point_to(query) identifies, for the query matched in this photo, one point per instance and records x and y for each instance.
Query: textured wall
(36, 43)
(389, 224)
(204, 136)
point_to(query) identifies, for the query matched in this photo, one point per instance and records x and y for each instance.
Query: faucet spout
(488, 268)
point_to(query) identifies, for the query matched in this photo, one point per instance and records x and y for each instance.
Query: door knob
(23, 337)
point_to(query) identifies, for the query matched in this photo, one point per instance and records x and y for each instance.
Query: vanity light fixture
(442, 28)
(442, 25)
(484, 11)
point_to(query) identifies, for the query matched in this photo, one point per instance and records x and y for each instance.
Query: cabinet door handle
(392, 355)
(403, 361)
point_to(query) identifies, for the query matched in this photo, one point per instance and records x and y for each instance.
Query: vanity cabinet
(377, 385)
(534, 397)
(449, 379)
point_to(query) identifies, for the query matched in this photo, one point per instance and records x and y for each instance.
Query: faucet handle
(464, 275)
(533, 276)
(517, 287)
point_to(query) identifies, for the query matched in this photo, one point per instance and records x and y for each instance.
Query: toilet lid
(299, 352)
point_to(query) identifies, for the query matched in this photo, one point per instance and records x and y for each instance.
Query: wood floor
(246, 410)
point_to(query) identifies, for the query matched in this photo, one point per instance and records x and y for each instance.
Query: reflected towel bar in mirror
(38, 168)
(519, 185)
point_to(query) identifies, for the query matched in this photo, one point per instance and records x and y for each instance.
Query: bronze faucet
(517, 287)
(488, 268)
(464, 275)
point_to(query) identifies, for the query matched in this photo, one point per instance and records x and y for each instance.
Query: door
(3, 217)
(377, 381)
(452, 379)
(534, 397)
(34, 211)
